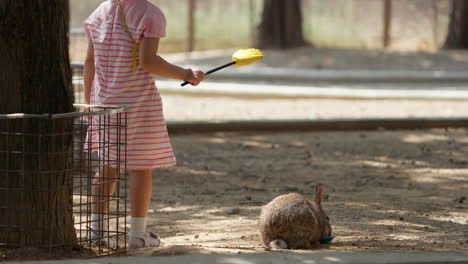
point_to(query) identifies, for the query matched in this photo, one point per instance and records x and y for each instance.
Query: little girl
(120, 65)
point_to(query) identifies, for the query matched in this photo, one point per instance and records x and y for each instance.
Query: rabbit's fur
(294, 222)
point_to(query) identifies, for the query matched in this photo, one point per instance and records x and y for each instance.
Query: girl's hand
(194, 76)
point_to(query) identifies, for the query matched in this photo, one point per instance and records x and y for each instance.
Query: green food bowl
(326, 240)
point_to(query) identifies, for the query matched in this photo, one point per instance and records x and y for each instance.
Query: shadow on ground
(384, 190)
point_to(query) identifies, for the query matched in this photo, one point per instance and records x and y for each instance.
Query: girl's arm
(89, 71)
(153, 63)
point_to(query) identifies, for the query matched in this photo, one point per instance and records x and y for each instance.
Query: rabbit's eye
(328, 218)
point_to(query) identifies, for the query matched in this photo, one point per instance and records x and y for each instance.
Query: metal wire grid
(106, 149)
(20, 185)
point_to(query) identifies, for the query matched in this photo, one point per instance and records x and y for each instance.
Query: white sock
(99, 224)
(138, 226)
(95, 222)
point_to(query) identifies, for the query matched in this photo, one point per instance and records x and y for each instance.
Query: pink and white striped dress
(115, 83)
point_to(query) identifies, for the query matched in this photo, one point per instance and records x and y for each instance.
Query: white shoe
(101, 240)
(147, 239)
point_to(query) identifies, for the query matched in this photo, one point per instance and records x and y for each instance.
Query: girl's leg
(102, 189)
(140, 192)
(140, 196)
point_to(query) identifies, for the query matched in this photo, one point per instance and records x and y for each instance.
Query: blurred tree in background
(457, 37)
(417, 25)
(281, 26)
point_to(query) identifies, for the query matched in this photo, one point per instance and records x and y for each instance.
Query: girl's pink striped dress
(115, 83)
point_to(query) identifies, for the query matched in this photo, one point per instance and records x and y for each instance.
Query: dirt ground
(221, 108)
(384, 190)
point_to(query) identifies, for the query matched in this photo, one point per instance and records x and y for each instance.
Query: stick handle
(214, 70)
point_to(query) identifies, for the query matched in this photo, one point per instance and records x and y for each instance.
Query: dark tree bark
(457, 37)
(281, 26)
(35, 78)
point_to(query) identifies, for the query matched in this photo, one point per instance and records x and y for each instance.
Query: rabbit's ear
(318, 193)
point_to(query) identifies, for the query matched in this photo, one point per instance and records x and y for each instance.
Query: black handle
(214, 70)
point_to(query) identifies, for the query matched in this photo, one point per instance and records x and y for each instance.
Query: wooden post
(387, 22)
(252, 13)
(191, 25)
(435, 29)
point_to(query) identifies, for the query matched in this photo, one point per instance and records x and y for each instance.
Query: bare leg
(140, 192)
(140, 197)
(103, 188)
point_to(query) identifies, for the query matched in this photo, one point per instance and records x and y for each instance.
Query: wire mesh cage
(57, 176)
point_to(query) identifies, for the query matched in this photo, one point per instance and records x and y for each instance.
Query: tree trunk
(457, 37)
(281, 26)
(35, 186)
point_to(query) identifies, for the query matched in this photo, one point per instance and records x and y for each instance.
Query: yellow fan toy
(241, 58)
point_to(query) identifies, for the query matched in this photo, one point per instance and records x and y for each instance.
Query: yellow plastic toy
(246, 57)
(241, 58)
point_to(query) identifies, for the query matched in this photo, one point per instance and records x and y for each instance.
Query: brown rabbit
(292, 221)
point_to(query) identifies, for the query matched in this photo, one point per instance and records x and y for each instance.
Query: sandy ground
(232, 108)
(229, 108)
(384, 190)
(392, 191)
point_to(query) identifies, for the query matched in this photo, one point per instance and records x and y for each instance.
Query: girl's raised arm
(155, 64)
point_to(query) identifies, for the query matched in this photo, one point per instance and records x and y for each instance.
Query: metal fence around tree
(32, 219)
